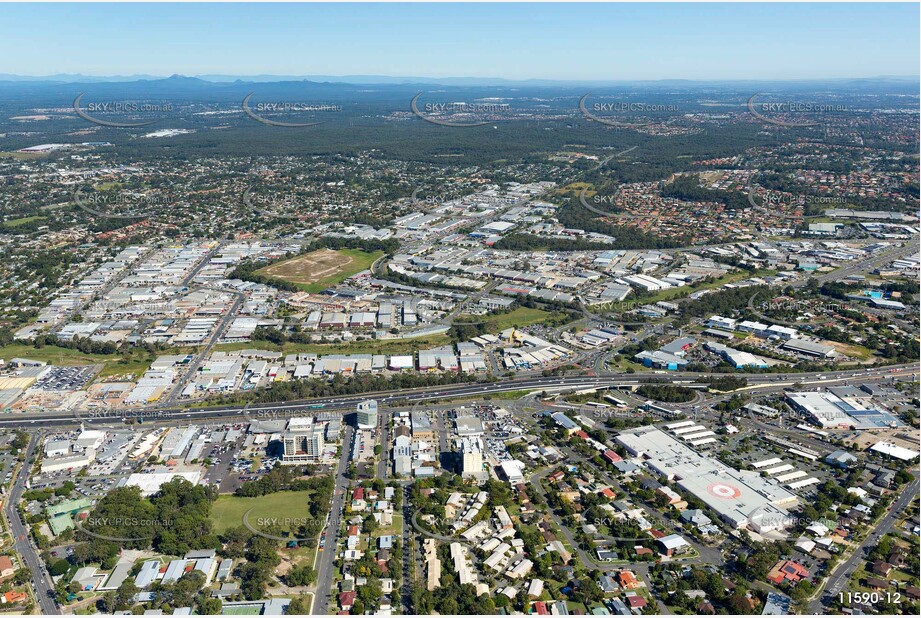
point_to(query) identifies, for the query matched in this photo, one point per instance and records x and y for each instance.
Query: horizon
(408, 79)
(550, 42)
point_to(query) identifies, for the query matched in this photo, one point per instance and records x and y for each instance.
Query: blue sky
(515, 41)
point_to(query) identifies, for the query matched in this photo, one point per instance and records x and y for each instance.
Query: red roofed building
(358, 493)
(627, 580)
(581, 434)
(787, 570)
(608, 493)
(635, 601)
(612, 457)
(347, 599)
(13, 596)
(540, 608)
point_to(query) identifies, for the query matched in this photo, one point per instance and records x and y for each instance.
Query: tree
(299, 606)
(107, 604)
(301, 576)
(370, 593)
(210, 607)
(59, 567)
(124, 596)
(369, 524)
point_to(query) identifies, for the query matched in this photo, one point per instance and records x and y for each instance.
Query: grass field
(22, 221)
(317, 270)
(522, 316)
(113, 364)
(136, 364)
(228, 511)
(511, 395)
(367, 346)
(53, 354)
(23, 156)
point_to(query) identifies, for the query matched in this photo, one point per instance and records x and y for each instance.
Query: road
(835, 584)
(41, 581)
(409, 552)
(321, 600)
(766, 382)
(203, 353)
(383, 460)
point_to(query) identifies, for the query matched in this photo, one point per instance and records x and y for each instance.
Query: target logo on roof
(722, 490)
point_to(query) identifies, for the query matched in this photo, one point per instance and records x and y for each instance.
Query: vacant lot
(317, 270)
(22, 221)
(54, 354)
(366, 346)
(286, 509)
(520, 317)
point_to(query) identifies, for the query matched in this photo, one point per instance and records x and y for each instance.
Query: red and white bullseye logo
(721, 490)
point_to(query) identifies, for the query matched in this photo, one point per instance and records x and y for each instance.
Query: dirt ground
(309, 268)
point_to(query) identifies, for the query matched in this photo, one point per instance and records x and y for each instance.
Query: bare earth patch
(310, 267)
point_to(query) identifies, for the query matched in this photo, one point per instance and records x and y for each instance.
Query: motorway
(766, 381)
(41, 581)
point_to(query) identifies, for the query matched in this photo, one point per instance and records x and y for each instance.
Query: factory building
(742, 499)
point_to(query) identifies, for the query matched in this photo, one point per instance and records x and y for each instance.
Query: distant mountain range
(204, 80)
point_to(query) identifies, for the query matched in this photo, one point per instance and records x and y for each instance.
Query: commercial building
(737, 358)
(471, 458)
(303, 441)
(809, 348)
(367, 414)
(150, 482)
(661, 360)
(742, 499)
(830, 411)
(422, 426)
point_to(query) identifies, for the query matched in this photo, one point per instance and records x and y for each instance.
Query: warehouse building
(830, 411)
(809, 348)
(742, 499)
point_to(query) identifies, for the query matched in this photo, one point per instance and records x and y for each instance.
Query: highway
(767, 381)
(41, 581)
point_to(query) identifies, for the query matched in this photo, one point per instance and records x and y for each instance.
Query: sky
(512, 41)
